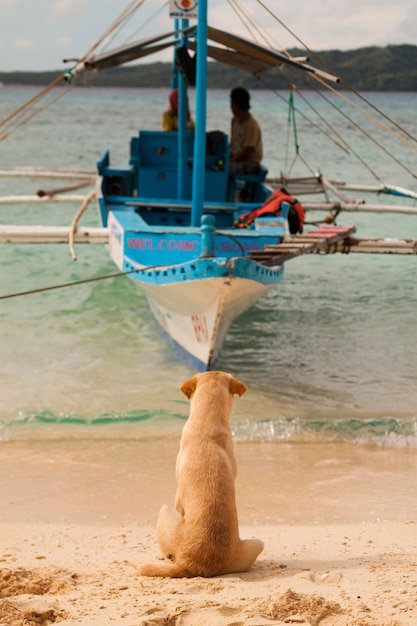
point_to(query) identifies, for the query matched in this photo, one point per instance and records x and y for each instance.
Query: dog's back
(201, 536)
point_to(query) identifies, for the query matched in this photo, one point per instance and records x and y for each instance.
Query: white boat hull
(215, 303)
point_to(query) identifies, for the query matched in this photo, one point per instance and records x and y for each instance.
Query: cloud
(69, 9)
(23, 44)
(64, 41)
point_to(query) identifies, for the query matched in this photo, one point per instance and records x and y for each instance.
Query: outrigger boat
(171, 213)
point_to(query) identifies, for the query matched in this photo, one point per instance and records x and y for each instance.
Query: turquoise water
(328, 355)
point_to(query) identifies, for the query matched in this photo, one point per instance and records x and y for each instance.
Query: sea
(328, 356)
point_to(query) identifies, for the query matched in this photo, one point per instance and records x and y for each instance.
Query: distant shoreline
(389, 68)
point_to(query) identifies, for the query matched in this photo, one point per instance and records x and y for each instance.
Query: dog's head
(234, 385)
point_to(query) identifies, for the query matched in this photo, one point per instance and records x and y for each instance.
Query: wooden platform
(331, 239)
(323, 239)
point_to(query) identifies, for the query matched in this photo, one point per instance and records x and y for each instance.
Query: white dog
(200, 537)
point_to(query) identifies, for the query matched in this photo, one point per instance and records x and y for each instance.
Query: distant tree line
(390, 68)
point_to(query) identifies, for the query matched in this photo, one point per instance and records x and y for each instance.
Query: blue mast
(182, 126)
(200, 113)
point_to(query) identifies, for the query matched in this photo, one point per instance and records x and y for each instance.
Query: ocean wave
(382, 431)
(388, 431)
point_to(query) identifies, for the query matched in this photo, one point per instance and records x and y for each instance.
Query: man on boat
(246, 149)
(170, 117)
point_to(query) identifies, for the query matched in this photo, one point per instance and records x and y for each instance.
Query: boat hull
(193, 298)
(196, 315)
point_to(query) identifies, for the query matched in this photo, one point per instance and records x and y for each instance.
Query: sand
(354, 574)
(77, 518)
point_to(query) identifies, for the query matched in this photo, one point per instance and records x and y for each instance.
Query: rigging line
(348, 148)
(310, 121)
(268, 10)
(380, 112)
(306, 165)
(287, 143)
(20, 110)
(75, 283)
(368, 136)
(343, 143)
(266, 32)
(373, 118)
(240, 11)
(291, 116)
(146, 22)
(119, 27)
(17, 124)
(123, 16)
(31, 100)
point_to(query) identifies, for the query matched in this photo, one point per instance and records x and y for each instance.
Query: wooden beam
(51, 234)
(355, 207)
(376, 246)
(39, 172)
(42, 199)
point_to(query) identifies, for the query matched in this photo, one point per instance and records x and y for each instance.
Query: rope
(291, 117)
(340, 141)
(18, 115)
(74, 222)
(343, 143)
(50, 193)
(310, 122)
(146, 22)
(371, 117)
(124, 15)
(264, 35)
(31, 100)
(77, 282)
(17, 294)
(374, 119)
(243, 13)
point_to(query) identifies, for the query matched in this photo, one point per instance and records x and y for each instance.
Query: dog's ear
(236, 386)
(188, 387)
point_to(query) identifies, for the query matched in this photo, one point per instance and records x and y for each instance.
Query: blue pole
(182, 129)
(200, 116)
(174, 76)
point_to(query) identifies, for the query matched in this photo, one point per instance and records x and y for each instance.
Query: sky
(37, 35)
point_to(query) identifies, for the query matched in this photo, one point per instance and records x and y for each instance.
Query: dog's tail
(168, 569)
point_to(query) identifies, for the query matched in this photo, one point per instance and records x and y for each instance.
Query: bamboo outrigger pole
(52, 234)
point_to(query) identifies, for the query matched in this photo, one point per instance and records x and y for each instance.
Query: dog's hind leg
(169, 530)
(246, 554)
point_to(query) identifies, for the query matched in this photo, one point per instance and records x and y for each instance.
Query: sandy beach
(350, 574)
(339, 525)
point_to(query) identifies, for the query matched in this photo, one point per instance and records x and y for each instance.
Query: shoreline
(120, 480)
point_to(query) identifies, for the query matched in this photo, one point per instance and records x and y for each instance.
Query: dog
(200, 537)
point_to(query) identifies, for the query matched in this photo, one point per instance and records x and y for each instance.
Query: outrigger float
(172, 216)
